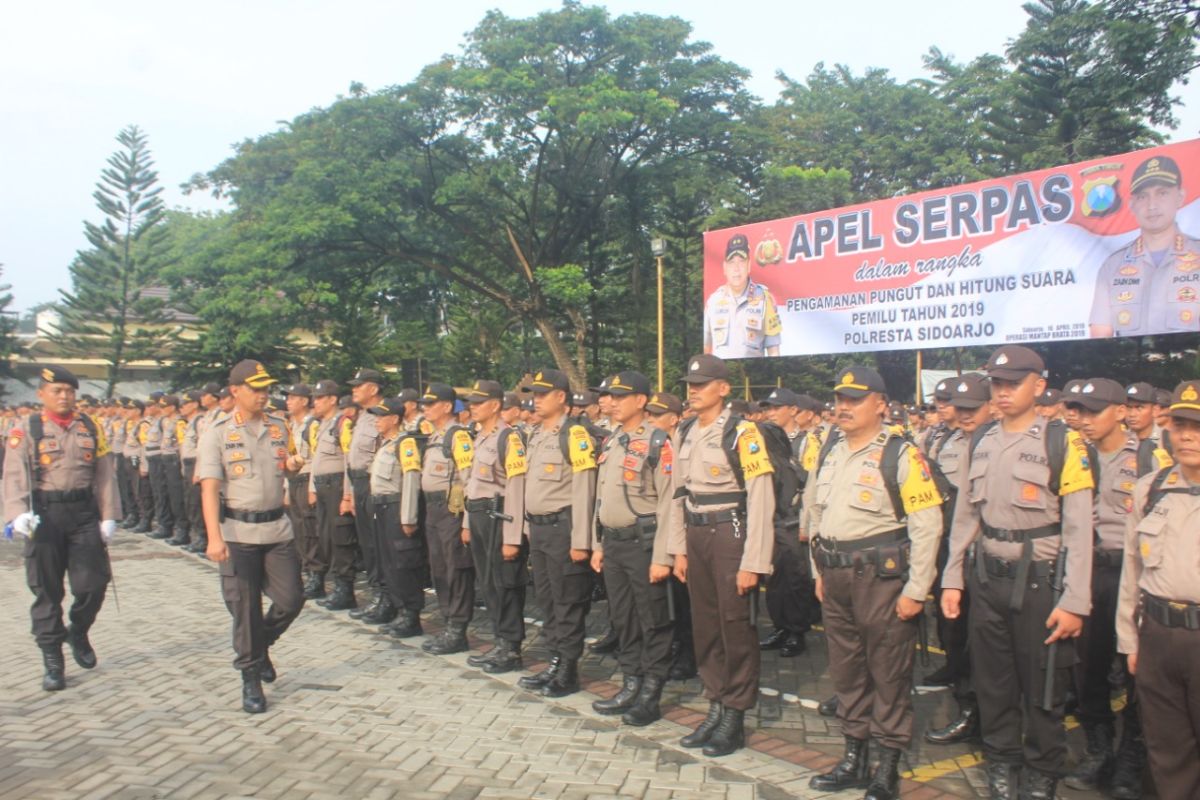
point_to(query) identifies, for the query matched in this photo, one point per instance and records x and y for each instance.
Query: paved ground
(359, 715)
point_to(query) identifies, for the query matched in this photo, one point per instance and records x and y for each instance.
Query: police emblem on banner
(769, 250)
(1100, 195)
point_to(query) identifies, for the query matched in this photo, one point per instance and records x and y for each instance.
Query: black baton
(754, 607)
(1056, 583)
(670, 599)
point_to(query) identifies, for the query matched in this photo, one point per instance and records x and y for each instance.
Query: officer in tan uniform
(334, 521)
(740, 318)
(559, 505)
(118, 429)
(303, 426)
(366, 391)
(722, 538)
(143, 507)
(209, 409)
(60, 494)
(1158, 608)
(496, 486)
(510, 412)
(189, 411)
(874, 537)
(633, 504)
(395, 474)
(243, 462)
(172, 426)
(1026, 514)
(152, 467)
(444, 466)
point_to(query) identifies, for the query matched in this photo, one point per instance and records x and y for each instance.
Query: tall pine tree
(109, 314)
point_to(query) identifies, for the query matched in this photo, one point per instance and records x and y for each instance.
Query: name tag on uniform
(47, 445)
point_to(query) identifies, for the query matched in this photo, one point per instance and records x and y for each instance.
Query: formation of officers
(1052, 527)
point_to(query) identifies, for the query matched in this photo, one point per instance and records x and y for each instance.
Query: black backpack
(889, 467)
(1157, 491)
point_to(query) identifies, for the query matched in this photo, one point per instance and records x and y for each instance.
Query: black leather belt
(1172, 614)
(153, 456)
(1008, 570)
(627, 534)
(328, 479)
(1020, 536)
(842, 553)
(358, 474)
(700, 519)
(711, 498)
(253, 516)
(483, 504)
(436, 498)
(382, 499)
(1023, 566)
(191, 460)
(67, 496)
(1110, 559)
(170, 455)
(550, 519)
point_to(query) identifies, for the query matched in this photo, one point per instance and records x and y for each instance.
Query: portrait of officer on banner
(740, 318)
(1151, 285)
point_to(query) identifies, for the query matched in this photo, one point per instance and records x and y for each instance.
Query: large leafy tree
(109, 313)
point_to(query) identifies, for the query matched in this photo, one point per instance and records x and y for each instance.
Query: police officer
(1151, 285)
(1101, 406)
(151, 438)
(495, 487)
(242, 463)
(510, 411)
(188, 448)
(874, 524)
(740, 318)
(633, 504)
(303, 426)
(118, 429)
(559, 504)
(173, 427)
(722, 537)
(395, 475)
(945, 417)
(444, 466)
(1030, 510)
(1158, 610)
(334, 521)
(366, 391)
(1049, 404)
(60, 493)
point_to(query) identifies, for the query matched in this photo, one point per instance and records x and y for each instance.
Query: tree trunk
(558, 350)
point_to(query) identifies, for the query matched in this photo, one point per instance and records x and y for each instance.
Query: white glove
(108, 529)
(25, 524)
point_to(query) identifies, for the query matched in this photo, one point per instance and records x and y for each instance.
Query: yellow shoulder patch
(345, 434)
(918, 490)
(311, 434)
(462, 449)
(583, 451)
(752, 451)
(142, 431)
(1163, 458)
(102, 448)
(515, 462)
(812, 450)
(771, 324)
(425, 427)
(409, 455)
(1076, 471)
(180, 429)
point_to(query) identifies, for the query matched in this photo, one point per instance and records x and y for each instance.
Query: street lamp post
(659, 248)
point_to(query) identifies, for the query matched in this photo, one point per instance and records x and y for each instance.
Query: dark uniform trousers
(125, 477)
(156, 468)
(682, 630)
(790, 597)
(564, 588)
(952, 633)
(1097, 647)
(364, 524)
(401, 557)
(727, 652)
(193, 512)
(450, 561)
(145, 493)
(1168, 689)
(173, 478)
(1001, 638)
(303, 516)
(335, 530)
(638, 608)
(251, 571)
(503, 582)
(67, 542)
(870, 654)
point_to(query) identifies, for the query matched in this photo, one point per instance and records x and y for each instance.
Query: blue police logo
(583, 445)
(1100, 197)
(754, 447)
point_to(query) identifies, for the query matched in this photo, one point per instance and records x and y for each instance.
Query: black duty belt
(711, 498)
(358, 474)
(383, 499)
(552, 518)
(328, 479)
(436, 498)
(153, 456)
(1170, 613)
(629, 533)
(1007, 570)
(253, 516)
(1023, 537)
(481, 504)
(1110, 559)
(875, 549)
(699, 519)
(67, 496)
(174, 456)
(190, 460)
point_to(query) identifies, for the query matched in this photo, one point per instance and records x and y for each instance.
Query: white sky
(199, 77)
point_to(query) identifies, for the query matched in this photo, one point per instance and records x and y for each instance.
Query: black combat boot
(253, 699)
(81, 648)
(384, 611)
(704, 731)
(342, 596)
(646, 708)
(161, 533)
(564, 682)
(1002, 780)
(452, 640)
(54, 677)
(314, 587)
(142, 527)
(794, 646)
(1037, 785)
(1097, 763)
(730, 734)
(477, 660)
(828, 708)
(963, 729)
(608, 644)
(409, 624)
(371, 607)
(885, 781)
(773, 640)
(623, 700)
(1131, 762)
(540, 679)
(199, 544)
(266, 670)
(683, 662)
(849, 773)
(506, 658)
(130, 522)
(182, 538)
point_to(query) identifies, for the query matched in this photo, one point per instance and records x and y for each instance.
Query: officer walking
(722, 537)
(1026, 497)
(874, 523)
(60, 494)
(334, 522)
(242, 463)
(559, 505)
(1158, 609)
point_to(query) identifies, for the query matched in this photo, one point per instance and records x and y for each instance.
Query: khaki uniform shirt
(145, 424)
(248, 458)
(363, 441)
(1135, 297)
(437, 471)
(1162, 553)
(67, 458)
(387, 474)
(951, 455)
(304, 437)
(131, 447)
(409, 452)
(850, 501)
(742, 326)
(1114, 501)
(489, 476)
(191, 437)
(152, 443)
(1006, 485)
(557, 482)
(329, 455)
(170, 442)
(628, 486)
(116, 435)
(702, 467)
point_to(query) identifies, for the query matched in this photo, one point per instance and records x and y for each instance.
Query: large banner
(1095, 249)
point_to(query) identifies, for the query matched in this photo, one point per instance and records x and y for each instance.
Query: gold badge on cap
(1189, 394)
(1002, 359)
(48, 375)
(848, 377)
